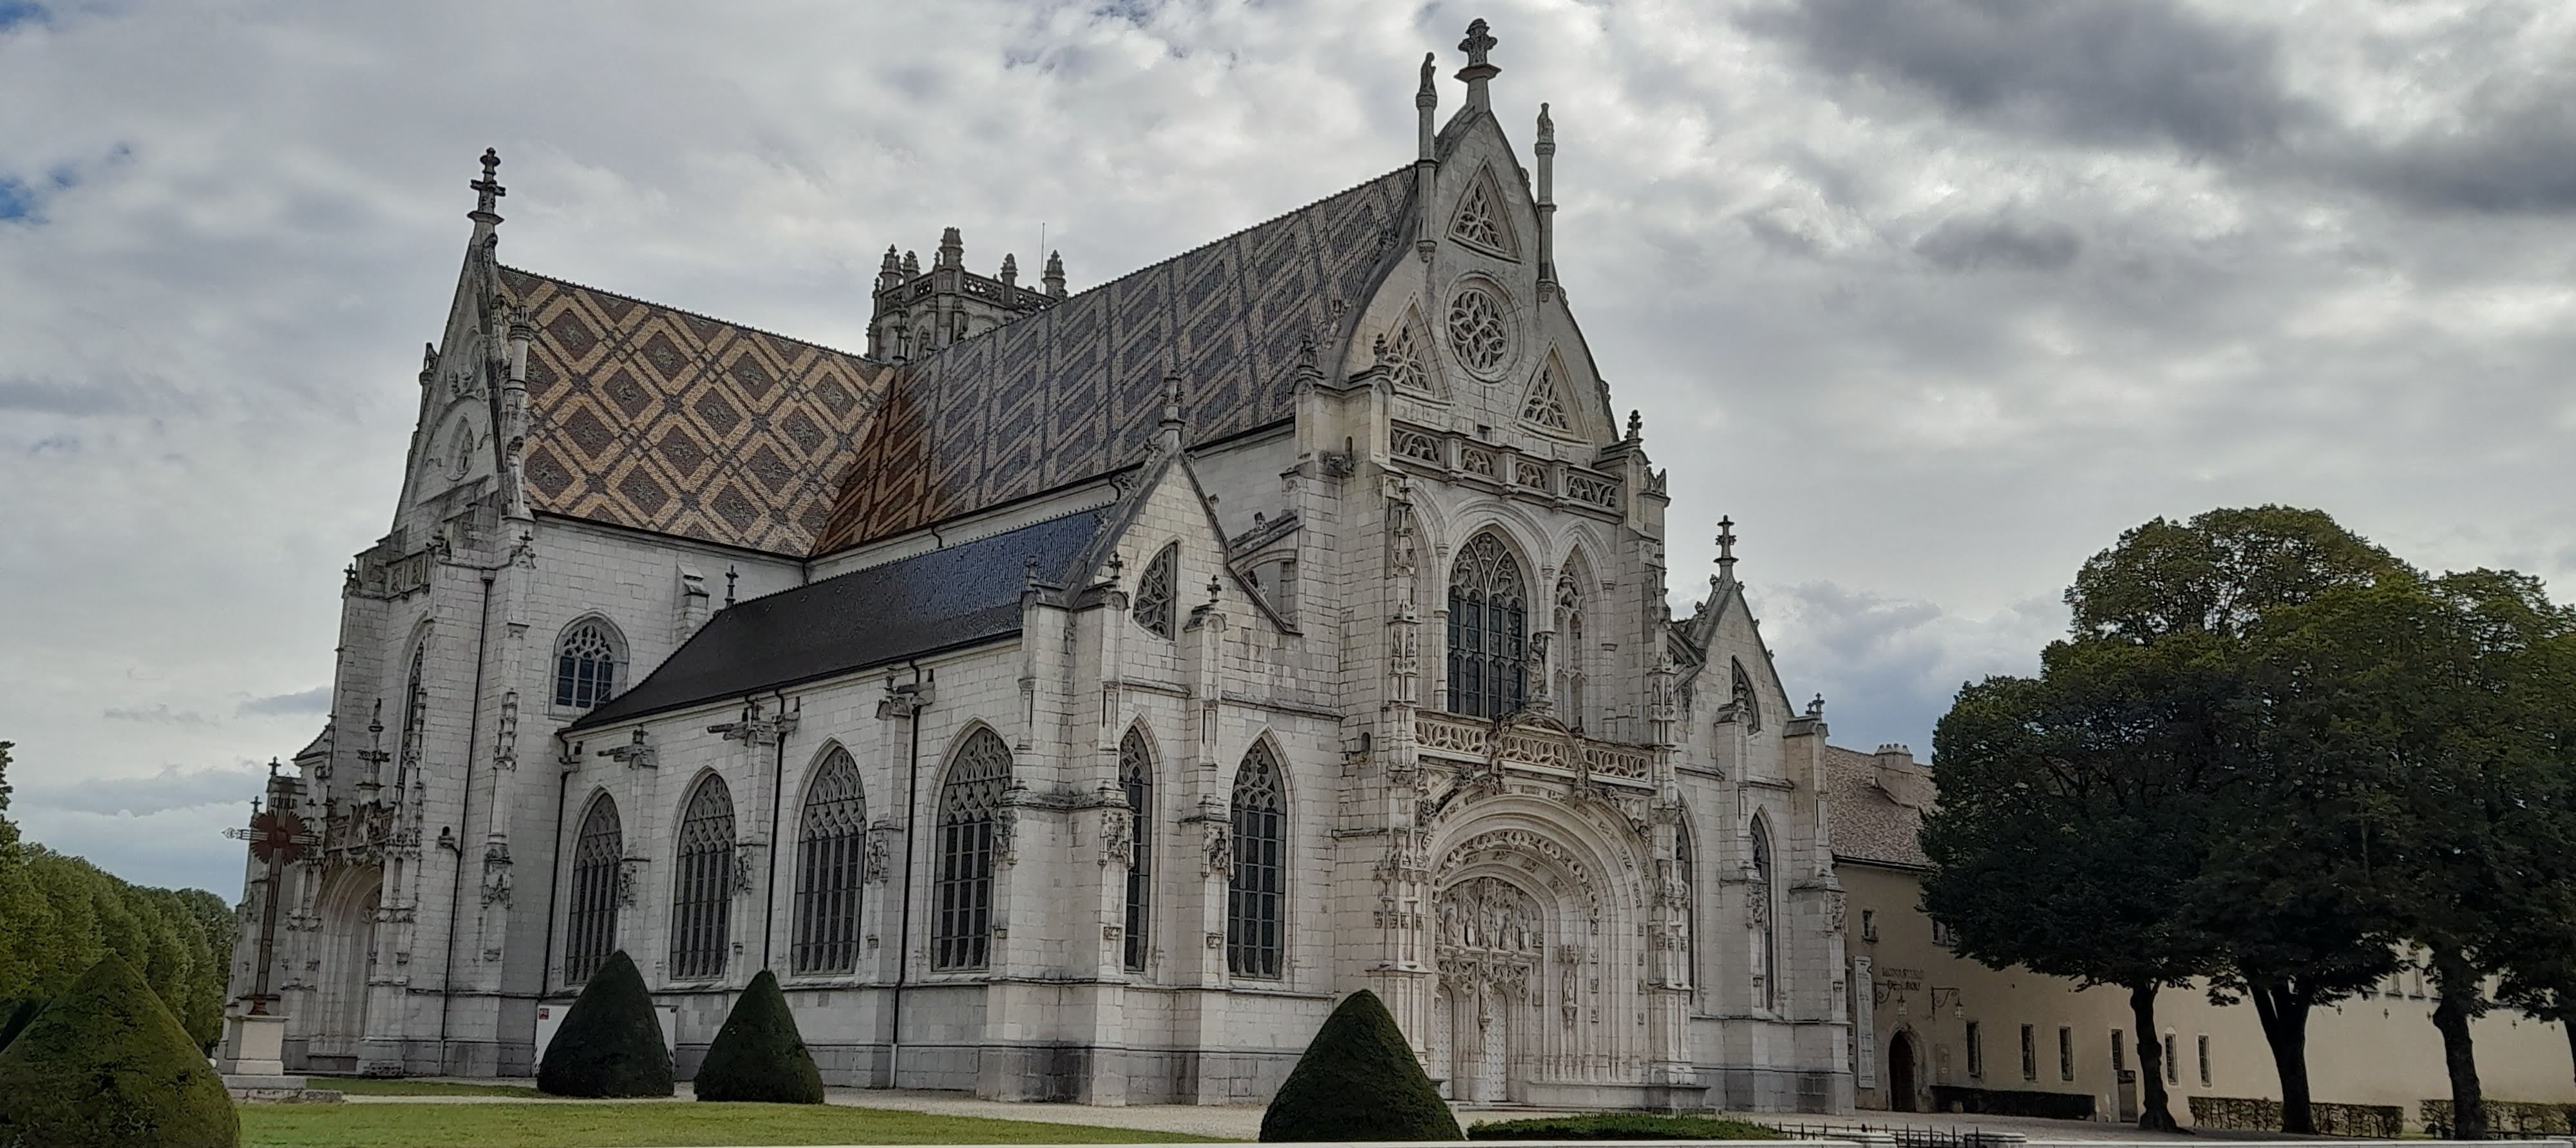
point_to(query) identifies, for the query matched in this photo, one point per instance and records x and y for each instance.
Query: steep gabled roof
(660, 419)
(1070, 393)
(1872, 821)
(942, 600)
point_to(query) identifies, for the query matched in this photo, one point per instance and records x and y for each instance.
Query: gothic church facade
(1075, 694)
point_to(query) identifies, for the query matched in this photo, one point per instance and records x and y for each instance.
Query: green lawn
(382, 1086)
(642, 1125)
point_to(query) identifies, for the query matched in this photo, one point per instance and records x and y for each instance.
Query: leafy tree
(758, 1054)
(1358, 1081)
(105, 1064)
(2447, 706)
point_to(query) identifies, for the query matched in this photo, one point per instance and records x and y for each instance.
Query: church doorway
(1900, 1073)
(348, 909)
(1491, 954)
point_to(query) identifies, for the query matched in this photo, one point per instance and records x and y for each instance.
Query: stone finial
(488, 190)
(1010, 275)
(952, 248)
(1636, 425)
(890, 269)
(1478, 69)
(1424, 100)
(1173, 424)
(1726, 548)
(428, 363)
(1816, 708)
(1053, 276)
(911, 264)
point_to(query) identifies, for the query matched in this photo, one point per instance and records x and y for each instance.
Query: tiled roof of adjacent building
(659, 419)
(1877, 807)
(941, 600)
(1074, 391)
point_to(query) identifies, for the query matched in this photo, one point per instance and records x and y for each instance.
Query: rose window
(1477, 332)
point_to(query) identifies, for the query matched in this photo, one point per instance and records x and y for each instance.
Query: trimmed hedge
(106, 1065)
(1358, 1081)
(2244, 1114)
(2519, 1117)
(611, 1041)
(2012, 1102)
(757, 1054)
(14, 1018)
(1623, 1126)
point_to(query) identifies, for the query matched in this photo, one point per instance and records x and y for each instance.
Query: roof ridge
(696, 315)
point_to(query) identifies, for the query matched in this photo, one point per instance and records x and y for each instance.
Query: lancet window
(590, 933)
(415, 721)
(1488, 630)
(1686, 875)
(1256, 897)
(586, 664)
(831, 867)
(1155, 597)
(970, 806)
(1136, 775)
(1760, 898)
(1570, 650)
(703, 883)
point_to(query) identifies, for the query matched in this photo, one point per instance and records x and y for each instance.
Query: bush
(757, 1054)
(610, 1043)
(14, 1018)
(107, 1065)
(1358, 1081)
(1623, 1126)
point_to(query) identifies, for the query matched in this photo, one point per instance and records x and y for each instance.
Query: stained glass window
(591, 931)
(702, 883)
(1488, 630)
(1256, 896)
(831, 867)
(962, 900)
(1136, 774)
(1155, 591)
(586, 664)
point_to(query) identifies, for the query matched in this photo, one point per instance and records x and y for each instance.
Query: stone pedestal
(254, 1045)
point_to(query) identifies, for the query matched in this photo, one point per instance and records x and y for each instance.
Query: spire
(1546, 149)
(890, 272)
(1726, 550)
(1010, 275)
(952, 248)
(488, 191)
(1478, 70)
(1053, 277)
(1173, 424)
(911, 264)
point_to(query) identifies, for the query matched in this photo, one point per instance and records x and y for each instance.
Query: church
(1073, 694)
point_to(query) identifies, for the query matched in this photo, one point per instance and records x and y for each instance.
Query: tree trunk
(2154, 1114)
(2459, 1002)
(2283, 1007)
(2567, 1023)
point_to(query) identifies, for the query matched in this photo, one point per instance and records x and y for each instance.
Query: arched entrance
(1900, 1073)
(1492, 950)
(348, 907)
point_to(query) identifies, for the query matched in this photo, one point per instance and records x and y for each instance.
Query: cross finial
(1726, 546)
(1478, 69)
(488, 190)
(1636, 425)
(1477, 43)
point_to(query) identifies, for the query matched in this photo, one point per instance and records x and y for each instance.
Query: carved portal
(1492, 952)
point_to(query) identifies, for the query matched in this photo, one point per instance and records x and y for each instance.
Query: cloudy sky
(1934, 298)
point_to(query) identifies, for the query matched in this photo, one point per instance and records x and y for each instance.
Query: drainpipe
(911, 817)
(777, 777)
(554, 869)
(464, 809)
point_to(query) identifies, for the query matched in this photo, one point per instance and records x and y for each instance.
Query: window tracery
(1136, 776)
(970, 806)
(1154, 591)
(1480, 219)
(702, 884)
(1570, 650)
(586, 664)
(1545, 407)
(1759, 899)
(1488, 630)
(1256, 894)
(590, 932)
(1407, 364)
(831, 859)
(1479, 334)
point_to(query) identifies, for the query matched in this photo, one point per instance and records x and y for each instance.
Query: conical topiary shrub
(1358, 1081)
(610, 1043)
(105, 1064)
(14, 1017)
(757, 1054)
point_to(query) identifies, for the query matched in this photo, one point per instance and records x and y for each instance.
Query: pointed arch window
(590, 931)
(1545, 405)
(1746, 703)
(1408, 362)
(1136, 776)
(703, 883)
(1155, 597)
(1488, 630)
(1257, 894)
(1686, 875)
(1480, 216)
(415, 720)
(831, 867)
(970, 804)
(1760, 897)
(1570, 650)
(586, 659)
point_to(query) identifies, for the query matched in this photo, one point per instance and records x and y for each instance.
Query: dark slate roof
(1073, 392)
(959, 596)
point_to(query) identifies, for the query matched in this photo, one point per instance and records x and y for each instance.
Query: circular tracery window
(1477, 332)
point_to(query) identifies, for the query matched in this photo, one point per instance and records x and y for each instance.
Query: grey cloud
(2131, 73)
(312, 701)
(44, 396)
(142, 796)
(155, 715)
(1969, 244)
(2513, 152)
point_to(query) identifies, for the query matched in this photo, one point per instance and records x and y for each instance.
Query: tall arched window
(1686, 873)
(1488, 630)
(702, 885)
(586, 660)
(1569, 651)
(1136, 774)
(831, 864)
(961, 933)
(1759, 900)
(1256, 897)
(414, 722)
(591, 933)
(1157, 591)
(1747, 704)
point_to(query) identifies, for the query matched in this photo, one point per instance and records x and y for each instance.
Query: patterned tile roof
(1877, 815)
(1070, 393)
(659, 419)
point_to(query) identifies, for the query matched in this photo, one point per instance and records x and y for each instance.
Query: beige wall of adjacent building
(2376, 1049)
